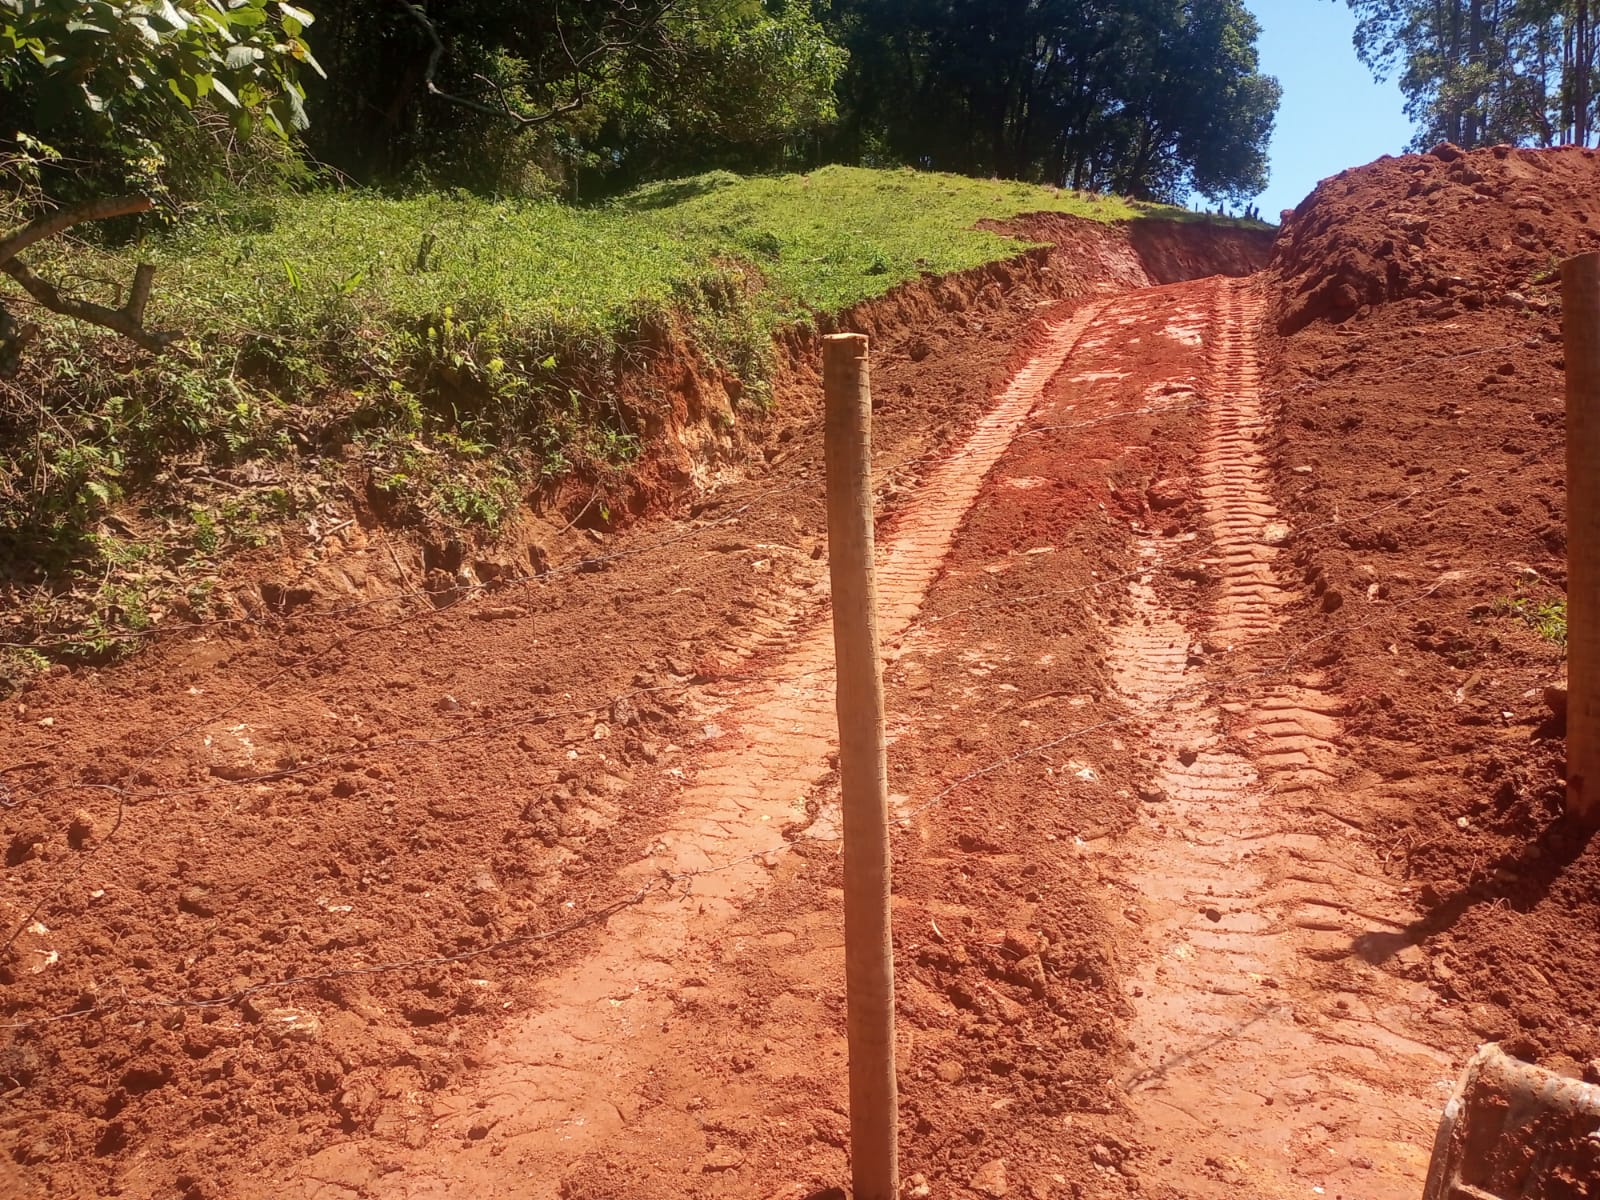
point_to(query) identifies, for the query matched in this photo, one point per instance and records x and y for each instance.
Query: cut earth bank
(362, 789)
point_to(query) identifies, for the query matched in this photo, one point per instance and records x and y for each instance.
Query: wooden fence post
(1580, 317)
(863, 771)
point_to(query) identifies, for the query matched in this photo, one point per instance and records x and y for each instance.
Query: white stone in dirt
(291, 1024)
(990, 1179)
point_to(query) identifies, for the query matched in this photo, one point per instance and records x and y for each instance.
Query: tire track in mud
(1272, 1058)
(577, 1069)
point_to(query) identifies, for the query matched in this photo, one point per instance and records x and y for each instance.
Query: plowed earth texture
(1226, 796)
(1423, 438)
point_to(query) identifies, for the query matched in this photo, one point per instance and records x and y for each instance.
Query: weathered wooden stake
(863, 771)
(1580, 316)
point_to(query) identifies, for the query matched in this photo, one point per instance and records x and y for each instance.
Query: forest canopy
(578, 98)
(1149, 98)
(1483, 72)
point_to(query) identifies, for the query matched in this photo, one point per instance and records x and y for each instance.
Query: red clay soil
(1008, 964)
(217, 853)
(1420, 450)
(211, 849)
(1446, 228)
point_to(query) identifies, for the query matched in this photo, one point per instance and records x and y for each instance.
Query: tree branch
(505, 110)
(128, 321)
(53, 223)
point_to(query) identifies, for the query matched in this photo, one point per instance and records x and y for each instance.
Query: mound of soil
(1419, 441)
(1461, 230)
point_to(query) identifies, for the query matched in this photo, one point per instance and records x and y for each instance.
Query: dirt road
(1227, 811)
(694, 1049)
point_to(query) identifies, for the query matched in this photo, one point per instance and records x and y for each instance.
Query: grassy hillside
(820, 241)
(457, 349)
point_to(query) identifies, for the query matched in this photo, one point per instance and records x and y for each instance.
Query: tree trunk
(1584, 65)
(1452, 58)
(1568, 81)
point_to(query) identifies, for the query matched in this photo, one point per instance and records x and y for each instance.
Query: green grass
(820, 241)
(1547, 618)
(553, 276)
(459, 350)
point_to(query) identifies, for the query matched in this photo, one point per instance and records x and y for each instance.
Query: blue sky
(1333, 115)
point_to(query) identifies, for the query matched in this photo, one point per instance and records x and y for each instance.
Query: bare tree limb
(505, 110)
(118, 320)
(127, 320)
(53, 223)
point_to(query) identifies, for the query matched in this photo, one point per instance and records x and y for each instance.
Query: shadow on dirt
(1521, 880)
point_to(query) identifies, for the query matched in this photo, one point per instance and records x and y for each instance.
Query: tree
(1150, 97)
(95, 83)
(103, 81)
(505, 95)
(1480, 72)
(741, 80)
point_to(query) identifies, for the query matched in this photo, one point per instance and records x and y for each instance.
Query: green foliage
(1149, 98)
(745, 77)
(1479, 74)
(105, 81)
(1547, 617)
(507, 283)
(527, 96)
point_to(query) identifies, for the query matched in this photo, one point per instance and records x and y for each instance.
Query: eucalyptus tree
(1480, 72)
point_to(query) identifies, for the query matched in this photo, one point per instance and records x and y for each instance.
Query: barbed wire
(544, 715)
(541, 716)
(460, 593)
